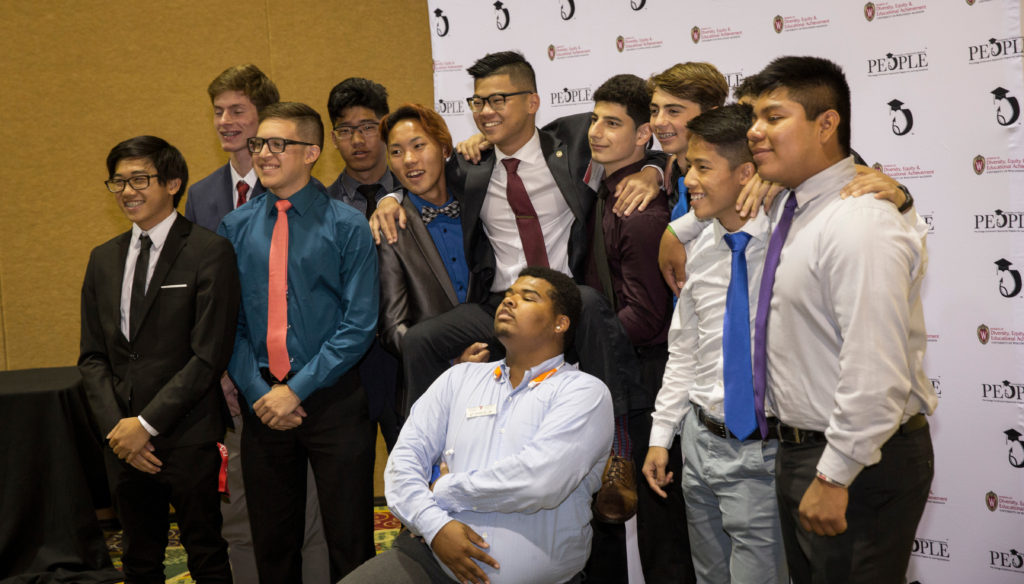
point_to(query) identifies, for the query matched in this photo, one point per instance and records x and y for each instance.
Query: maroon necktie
(526, 217)
(243, 190)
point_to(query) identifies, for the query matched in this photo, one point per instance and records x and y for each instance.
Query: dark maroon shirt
(644, 301)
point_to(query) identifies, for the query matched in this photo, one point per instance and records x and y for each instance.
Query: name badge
(478, 411)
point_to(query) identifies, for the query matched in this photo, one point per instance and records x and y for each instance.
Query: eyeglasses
(495, 100)
(138, 182)
(276, 145)
(365, 130)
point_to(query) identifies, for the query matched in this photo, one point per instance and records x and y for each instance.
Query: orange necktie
(277, 299)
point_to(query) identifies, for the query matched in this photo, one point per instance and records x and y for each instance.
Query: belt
(271, 380)
(718, 428)
(790, 435)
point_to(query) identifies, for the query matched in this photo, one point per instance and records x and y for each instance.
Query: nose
(357, 137)
(756, 131)
(691, 178)
(658, 119)
(409, 157)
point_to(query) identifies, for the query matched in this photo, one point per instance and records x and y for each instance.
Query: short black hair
(630, 92)
(307, 120)
(166, 159)
(815, 83)
(511, 63)
(745, 88)
(357, 92)
(565, 297)
(726, 128)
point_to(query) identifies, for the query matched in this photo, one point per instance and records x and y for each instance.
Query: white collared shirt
(846, 335)
(499, 221)
(693, 373)
(249, 178)
(158, 235)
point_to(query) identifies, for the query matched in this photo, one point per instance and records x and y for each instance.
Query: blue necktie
(740, 418)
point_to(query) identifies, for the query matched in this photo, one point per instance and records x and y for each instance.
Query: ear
(746, 171)
(561, 324)
(643, 134)
(828, 125)
(173, 186)
(533, 102)
(312, 154)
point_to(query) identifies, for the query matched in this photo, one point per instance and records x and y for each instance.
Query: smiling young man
(511, 505)
(855, 461)
(707, 393)
(159, 306)
(309, 312)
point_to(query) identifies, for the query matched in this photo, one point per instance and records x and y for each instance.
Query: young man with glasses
(310, 295)
(159, 308)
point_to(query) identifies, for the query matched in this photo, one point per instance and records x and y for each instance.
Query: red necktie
(526, 217)
(243, 190)
(277, 299)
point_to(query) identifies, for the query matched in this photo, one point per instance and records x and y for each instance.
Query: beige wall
(78, 77)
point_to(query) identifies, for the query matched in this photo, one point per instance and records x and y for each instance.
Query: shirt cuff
(152, 431)
(396, 195)
(662, 435)
(661, 172)
(443, 498)
(837, 466)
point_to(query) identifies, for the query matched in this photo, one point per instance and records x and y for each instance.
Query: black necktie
(369, 192)
(139, 283)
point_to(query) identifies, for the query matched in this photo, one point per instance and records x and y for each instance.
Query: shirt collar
(249, 178)
(529, 152)
(301, 200)
(829, 181)
(351, 185)
(757, 228)
(158, 234)
(420, 202)
(501, 371)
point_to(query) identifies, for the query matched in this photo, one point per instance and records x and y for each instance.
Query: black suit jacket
(469, 182)
(210, 199)
(414, 284)
(169, 372)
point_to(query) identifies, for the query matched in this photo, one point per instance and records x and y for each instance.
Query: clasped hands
(280, 408)
(131, 443)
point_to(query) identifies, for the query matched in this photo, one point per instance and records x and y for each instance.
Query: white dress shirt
(249, 178)
(846, 335)
(158, 235)
(694, 369)
(499, 221)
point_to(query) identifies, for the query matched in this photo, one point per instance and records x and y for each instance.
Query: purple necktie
(764, 301)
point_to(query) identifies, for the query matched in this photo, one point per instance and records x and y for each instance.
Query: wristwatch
(908, 203)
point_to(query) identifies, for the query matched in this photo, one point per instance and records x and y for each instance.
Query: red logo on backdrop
(979, 164)
(991, 501)
(777, 23)
(869, 11)
(551, 52)
(695, 34)
(983, 334)
(877, 166)
(970, 2)
(620, 43)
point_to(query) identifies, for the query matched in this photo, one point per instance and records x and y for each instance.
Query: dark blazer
(210, 199)
(567, 168)
(414, 284)
(169, 373)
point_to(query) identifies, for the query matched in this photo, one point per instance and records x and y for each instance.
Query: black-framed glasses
(138, 182)
(495, 100)
(366, 130)
(276, 145)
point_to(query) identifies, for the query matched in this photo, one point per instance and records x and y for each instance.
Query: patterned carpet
(385, 528)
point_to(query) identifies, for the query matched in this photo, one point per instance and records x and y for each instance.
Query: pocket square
(174, 286)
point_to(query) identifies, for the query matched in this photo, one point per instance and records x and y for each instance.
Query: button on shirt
(333, 289)
(846, 335)
(499, 222)
(524, 462)
(447, 235)
(694, 369)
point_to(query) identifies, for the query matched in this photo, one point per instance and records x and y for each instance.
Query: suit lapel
(225, 202)
(557, 158)
(425, 243)
(478, 176)
(172, 246)
(123, 244)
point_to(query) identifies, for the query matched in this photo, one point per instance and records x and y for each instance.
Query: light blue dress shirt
(524, 463)
(333, 289)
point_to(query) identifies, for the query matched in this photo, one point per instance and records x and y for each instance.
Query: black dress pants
(337, 439)
(187, 480)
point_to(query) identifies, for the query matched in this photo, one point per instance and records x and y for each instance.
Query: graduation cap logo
(637, 4)
(983, 334)
(869, 11)
(1016, 452)
(441, 25)
(502, 19)
(902, 119)
(568, 9)
(991, 501)
(1007, 106)
(1009, 279)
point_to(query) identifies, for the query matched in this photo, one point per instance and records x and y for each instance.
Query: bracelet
(829, 481)
(907, 204)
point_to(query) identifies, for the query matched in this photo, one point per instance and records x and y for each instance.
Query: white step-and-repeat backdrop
(937, 90)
